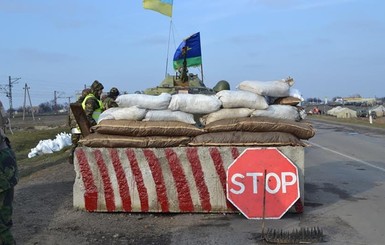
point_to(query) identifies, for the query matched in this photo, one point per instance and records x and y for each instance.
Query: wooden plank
(81, 119)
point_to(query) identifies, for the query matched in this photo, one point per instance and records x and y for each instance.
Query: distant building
(359, 101)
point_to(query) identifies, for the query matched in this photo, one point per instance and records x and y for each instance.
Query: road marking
(347, 156)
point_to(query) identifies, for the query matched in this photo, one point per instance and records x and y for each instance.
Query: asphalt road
(344, 196)
(344, 186)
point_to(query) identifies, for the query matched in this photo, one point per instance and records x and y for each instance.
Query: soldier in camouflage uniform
(109, 101)
(92, 105)
(8, 179)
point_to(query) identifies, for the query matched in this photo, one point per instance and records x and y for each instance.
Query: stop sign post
(256, 168)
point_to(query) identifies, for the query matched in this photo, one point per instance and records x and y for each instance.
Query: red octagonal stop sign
(256, 168)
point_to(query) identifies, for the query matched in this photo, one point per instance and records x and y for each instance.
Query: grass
(27, 135)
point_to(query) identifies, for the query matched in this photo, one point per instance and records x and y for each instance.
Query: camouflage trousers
(75, 140)
(6, 199)
(8, 179)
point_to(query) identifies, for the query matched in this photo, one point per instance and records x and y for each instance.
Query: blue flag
(191, 49)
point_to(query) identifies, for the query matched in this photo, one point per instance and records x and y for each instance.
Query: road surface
(344, 195)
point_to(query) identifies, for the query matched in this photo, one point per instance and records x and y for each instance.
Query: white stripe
(148, 180)
(169, 181)
(188, 172)
(350, 157)
(210, 178)
(132, 186)
(98, 181)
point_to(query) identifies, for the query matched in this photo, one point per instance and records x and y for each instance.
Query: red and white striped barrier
(178, 179)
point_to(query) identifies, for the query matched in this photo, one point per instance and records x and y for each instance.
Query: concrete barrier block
(169, 180)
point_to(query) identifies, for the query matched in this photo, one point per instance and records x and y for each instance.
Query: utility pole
(26, 91)
(11, 81)
(55, 101)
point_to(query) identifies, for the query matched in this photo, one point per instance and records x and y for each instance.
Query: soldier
(92, 105)
(8, 179)
(109, 101)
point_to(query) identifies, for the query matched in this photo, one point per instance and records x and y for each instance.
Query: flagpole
(168, 46)
(202, 72)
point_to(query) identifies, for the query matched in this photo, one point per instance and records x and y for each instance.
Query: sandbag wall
(169, 153)
(229, 118)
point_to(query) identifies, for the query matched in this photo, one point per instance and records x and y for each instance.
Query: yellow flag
(161, 6)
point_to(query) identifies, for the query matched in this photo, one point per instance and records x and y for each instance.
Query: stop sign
(255, 169)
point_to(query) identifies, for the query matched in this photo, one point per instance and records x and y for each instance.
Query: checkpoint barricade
(162, 180)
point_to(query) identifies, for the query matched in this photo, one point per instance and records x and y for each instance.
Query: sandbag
(279, 111)
(195, 103)
(225, 114)
(127, 113)
(150, 128)
(144, 101)
(119, 141)
(241, 99)
(279, 88)
(169, 115)
(289, 100)
(302, 130)
(237, 138)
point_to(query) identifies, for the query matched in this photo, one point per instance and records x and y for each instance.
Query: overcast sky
(330, 47)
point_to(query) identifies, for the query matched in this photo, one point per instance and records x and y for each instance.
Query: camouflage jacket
(90, 105)
(109, 103)
(9, 174)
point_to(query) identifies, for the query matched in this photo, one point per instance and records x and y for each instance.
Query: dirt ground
(44, 215)
(44, 212)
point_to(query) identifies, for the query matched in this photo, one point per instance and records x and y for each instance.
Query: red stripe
(108, 190)
(234, 152)
(219, 167)
(196, 166)
(157, 175)
(142, 190)
(91, 192)
(182, 187)
(124, 190)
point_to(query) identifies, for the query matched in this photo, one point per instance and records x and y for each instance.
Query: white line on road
(350, 157)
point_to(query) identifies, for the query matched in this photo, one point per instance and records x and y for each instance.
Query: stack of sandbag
(258, 114)
(254, 131)
(150, 121)
(235, 104)
(280, 96)
(187, 120)
(140, 134)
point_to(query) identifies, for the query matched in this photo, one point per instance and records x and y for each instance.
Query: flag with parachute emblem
(191, 49)
(161, 6)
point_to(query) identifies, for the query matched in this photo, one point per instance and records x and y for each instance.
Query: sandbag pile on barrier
(240, 118)
(279, 95)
